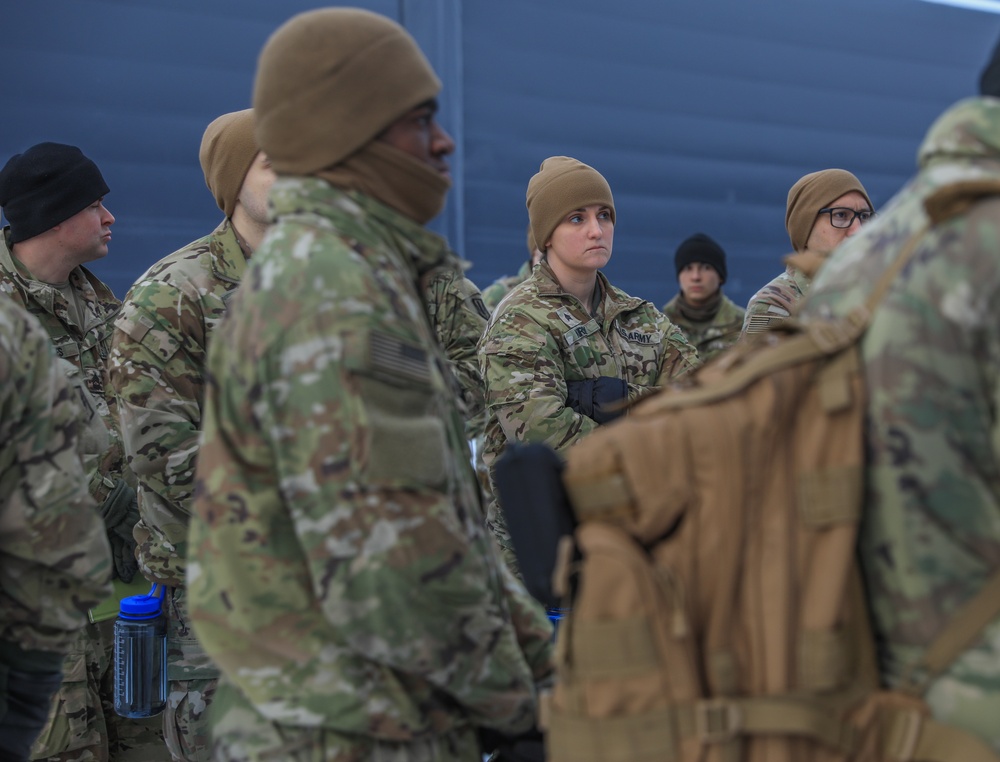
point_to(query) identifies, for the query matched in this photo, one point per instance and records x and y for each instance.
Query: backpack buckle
(717, 720)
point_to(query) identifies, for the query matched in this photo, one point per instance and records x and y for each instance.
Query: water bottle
(140, 659)
(555, 616)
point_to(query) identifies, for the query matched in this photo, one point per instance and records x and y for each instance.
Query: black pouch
(537, 510)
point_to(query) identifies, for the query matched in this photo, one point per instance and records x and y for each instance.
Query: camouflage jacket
(157, 368)
(931, 529)
(84, 347)
(497, 290)
(708, 337)
(457, 313)
(336, 511)
(54, 555)
(540, 338)
(776, 301)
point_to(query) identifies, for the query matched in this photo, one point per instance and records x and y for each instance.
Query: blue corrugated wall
(701, 114)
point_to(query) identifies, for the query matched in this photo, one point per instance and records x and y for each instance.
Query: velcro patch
(581, 331)
(134, 325)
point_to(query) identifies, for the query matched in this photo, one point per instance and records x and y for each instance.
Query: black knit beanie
(46, 185)
(701, 248)
(989, 80)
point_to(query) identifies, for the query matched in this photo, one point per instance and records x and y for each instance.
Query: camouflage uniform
(540, 337)
(85, 347)
(776, 301)
(708, 337)
(457, 313)
(340, 571)
(54, 556)
(157, 368)
(931, 532)
(83, 725)
(497, 290)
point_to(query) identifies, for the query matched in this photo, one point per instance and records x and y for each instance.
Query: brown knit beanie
(561, 185)
(228, 148)
(813, 192)
(329, 81)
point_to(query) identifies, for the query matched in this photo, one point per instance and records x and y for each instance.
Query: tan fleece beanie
(329, 81)
(228, 148)
(813, 192)
(561, 185)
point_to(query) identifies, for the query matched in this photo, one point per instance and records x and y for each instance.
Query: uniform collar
(227, 255)
(422, 249)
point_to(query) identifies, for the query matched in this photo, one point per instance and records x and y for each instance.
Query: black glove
(24, 709)
(527, 747)
(600, 399)
(120, 512)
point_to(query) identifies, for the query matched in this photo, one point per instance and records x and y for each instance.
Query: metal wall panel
(701, 113)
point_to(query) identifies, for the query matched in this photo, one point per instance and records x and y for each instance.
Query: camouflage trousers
(193, 678)
(82, 724)
(241, 734)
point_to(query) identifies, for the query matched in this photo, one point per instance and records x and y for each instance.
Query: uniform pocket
(407, 439)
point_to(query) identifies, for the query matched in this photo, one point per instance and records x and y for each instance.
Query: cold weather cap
(813, 192)
(331, 80)
(228, 149)
(561, 185)
(46, 185)
(701, 248)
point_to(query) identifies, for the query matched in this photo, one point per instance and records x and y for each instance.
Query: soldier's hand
(120, 512)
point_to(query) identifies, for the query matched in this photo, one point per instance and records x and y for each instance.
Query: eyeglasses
(842, 217)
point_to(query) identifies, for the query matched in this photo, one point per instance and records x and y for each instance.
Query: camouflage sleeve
(155, 369)
(493, 293)
(774, 303)
(679, 356)
(326, 521)
(526, 383)
(457, 313)
(54, 555)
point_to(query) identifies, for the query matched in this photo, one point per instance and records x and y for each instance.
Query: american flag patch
(760, 323)
(395, 357)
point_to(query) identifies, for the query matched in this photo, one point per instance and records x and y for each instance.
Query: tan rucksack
(716, 606)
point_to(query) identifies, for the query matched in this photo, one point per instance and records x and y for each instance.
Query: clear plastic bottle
(141, 655)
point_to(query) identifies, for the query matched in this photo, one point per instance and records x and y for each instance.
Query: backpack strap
(965, 626)
(911, 735)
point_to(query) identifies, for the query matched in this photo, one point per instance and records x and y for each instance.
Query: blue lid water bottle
(141, 655)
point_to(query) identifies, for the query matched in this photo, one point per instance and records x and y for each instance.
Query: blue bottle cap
(146, 606)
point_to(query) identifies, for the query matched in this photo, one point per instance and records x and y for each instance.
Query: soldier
(157, 369)
(565, 348)
(340, 572)
(54, 557)
(709, 319)
(497, 290)
(821, 212)
(931, 534)
(53, 198)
